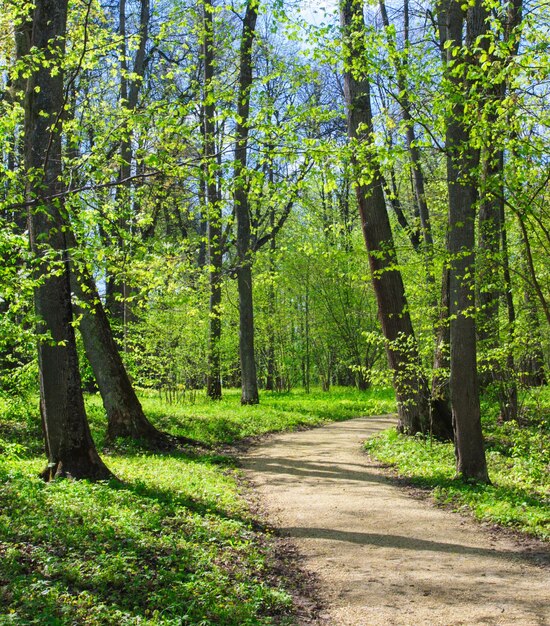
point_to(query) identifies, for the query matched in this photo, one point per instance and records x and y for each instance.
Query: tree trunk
(440, 410)
(125, 414)
(461, 162)
(270, 378)
(441, 415)
(411, 389)
(509, 394)
(246, 337)
(117, 289)
(214, 214)
(69, 445)
(493, 249)
(249, 381)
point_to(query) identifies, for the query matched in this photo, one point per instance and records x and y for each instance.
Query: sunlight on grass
(226, 421)
(518, 459)
(172, 543)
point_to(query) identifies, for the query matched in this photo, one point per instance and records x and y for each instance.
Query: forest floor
(377, 554)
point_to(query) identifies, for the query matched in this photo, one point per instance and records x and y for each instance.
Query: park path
(380, 555)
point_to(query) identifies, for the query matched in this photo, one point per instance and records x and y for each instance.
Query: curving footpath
(381, 556)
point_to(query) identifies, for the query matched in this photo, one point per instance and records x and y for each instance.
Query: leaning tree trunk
(249, 382)
(461, 163)
(125, 416)
(411, 389)
(69, 445)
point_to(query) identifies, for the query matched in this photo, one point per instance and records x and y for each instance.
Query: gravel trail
(380, 555)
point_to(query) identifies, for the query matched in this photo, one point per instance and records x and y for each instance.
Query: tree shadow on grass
(64, 564)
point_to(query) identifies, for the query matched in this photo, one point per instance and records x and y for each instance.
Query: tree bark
(401, 347)
(461, 163)
(214, 214)
(69, 445)
(249, 381)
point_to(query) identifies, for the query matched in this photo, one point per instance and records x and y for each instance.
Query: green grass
(518, 458)
(172, 543)
(227, 422)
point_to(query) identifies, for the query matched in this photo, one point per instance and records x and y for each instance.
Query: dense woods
(198, 182)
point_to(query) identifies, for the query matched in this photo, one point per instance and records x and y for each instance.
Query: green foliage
(518, 457)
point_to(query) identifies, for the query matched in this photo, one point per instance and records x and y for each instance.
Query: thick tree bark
(214, 215)
(249, 381)
(69, 445)
(461, 163)
(440, 409)
(401, 348)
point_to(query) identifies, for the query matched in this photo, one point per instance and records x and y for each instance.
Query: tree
(118, 291)
(388, 285)
(69, 445)
(214, 208)
(242, 210)
(125, 416)
(461, 167)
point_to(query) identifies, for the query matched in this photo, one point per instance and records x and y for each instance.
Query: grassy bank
(172, 543)
(518, 456)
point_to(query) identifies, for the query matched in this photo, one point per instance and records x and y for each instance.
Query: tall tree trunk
(440, 408)
(270, 378)
(214, 213)
(401, 348)
(509, 387)
(461, 163)
(442, 425)
(117, 289)
(69, 445)
(410, 137)
(249, 381)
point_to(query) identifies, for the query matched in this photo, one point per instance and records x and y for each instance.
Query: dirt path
(383, 557)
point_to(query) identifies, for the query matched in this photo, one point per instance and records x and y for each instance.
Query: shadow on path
(285, 467)
(396, 541)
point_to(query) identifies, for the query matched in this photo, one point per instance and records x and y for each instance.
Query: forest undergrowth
(518, 459)
(172, 541)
